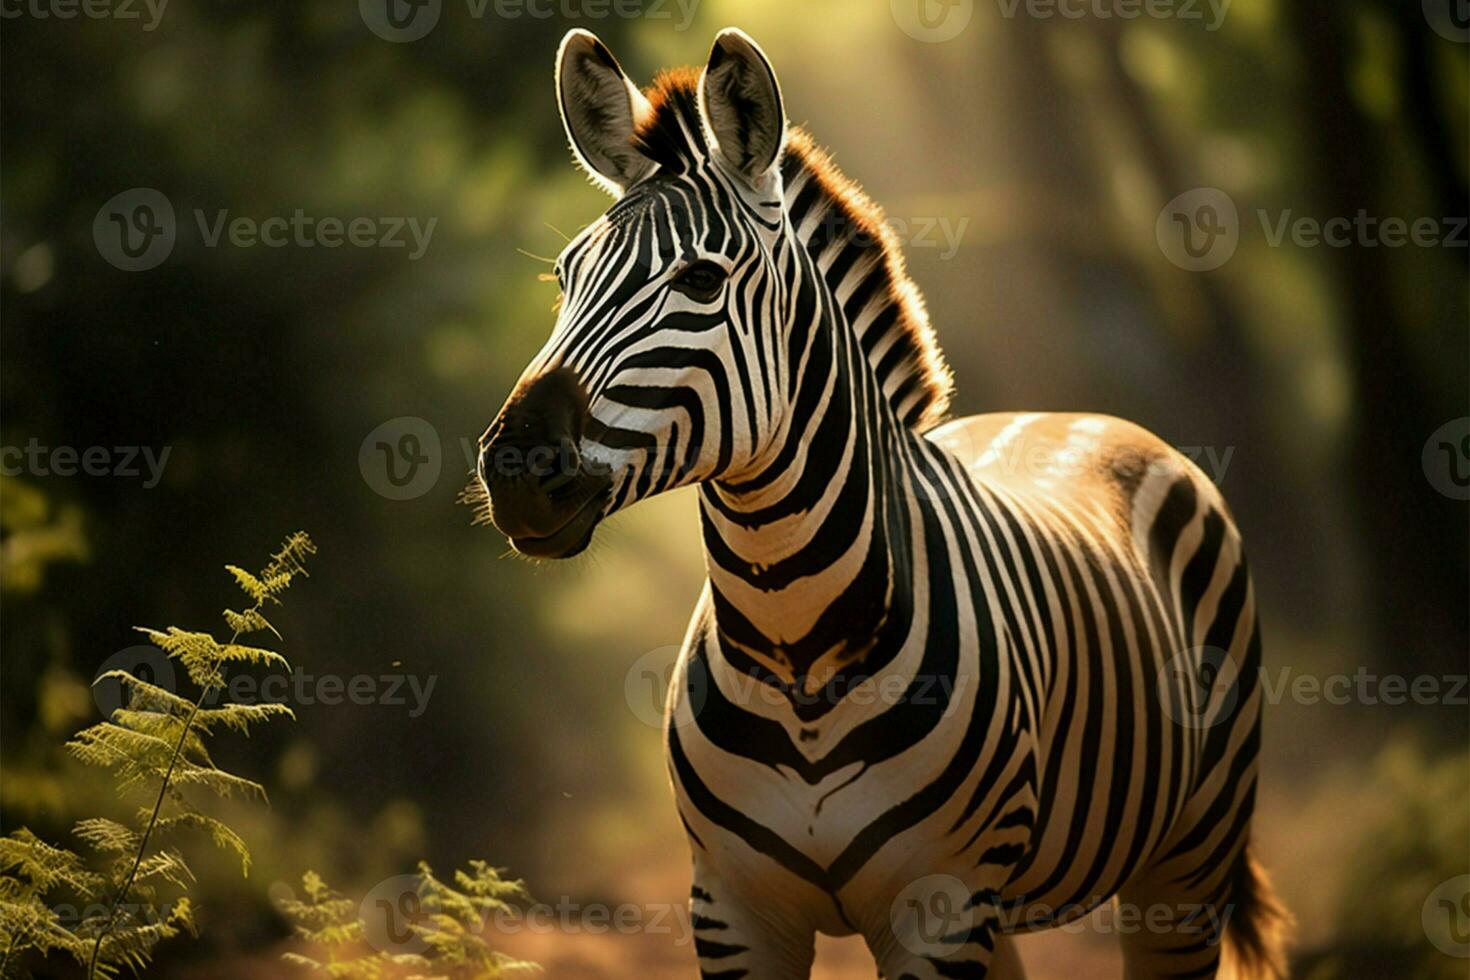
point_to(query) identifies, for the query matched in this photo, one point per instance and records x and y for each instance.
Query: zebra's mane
(865, 266)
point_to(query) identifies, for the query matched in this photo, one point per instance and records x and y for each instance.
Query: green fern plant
(447, 929)
(156, 743)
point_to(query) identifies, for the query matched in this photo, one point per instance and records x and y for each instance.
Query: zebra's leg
(1005, 962)
(1222, 918)
(741, 939)
(1170, 922)
(1172, 915)
(942, 935)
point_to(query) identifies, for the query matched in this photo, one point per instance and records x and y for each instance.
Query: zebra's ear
(740, 101)
(599, 109)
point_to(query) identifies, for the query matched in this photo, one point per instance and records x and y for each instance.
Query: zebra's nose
(530, 465)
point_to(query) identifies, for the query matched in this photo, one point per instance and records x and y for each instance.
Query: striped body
(947, 682)
(1012, 734)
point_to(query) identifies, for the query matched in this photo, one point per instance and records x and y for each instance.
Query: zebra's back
(1134, 614)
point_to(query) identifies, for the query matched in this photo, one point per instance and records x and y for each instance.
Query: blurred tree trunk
(1223, 365)
(1424, 111)
(1415, 537)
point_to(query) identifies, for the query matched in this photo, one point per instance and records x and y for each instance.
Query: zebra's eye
(700, 281)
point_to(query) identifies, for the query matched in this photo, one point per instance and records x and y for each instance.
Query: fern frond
(252, 586)
(223, 784)
(451, 928)
(169, 729)
(238, 653)
(143, 696)
(239, 717)
(35, 925)
(132, 754)
(159, 735)
(107, 836)
(31, 867)
(198, 652)
(219, 833)
(290, 561)
(132, 945)
(249, 621)
(168, 865)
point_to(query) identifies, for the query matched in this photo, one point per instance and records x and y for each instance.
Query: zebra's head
(666, 363)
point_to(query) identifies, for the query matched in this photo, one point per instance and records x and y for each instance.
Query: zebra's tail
(1255, 938)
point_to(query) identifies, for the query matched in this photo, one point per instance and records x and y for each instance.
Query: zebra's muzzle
(543, 494)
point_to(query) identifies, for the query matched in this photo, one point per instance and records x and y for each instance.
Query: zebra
(947, 682)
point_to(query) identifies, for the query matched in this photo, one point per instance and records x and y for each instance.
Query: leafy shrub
(106, 914)
(447, 926)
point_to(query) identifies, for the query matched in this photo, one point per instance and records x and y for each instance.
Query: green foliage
(156, 743)
(33, 537)
(447, 929)
(33, 873)
(1400, 861)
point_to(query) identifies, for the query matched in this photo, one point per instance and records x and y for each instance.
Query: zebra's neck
(810, 558)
